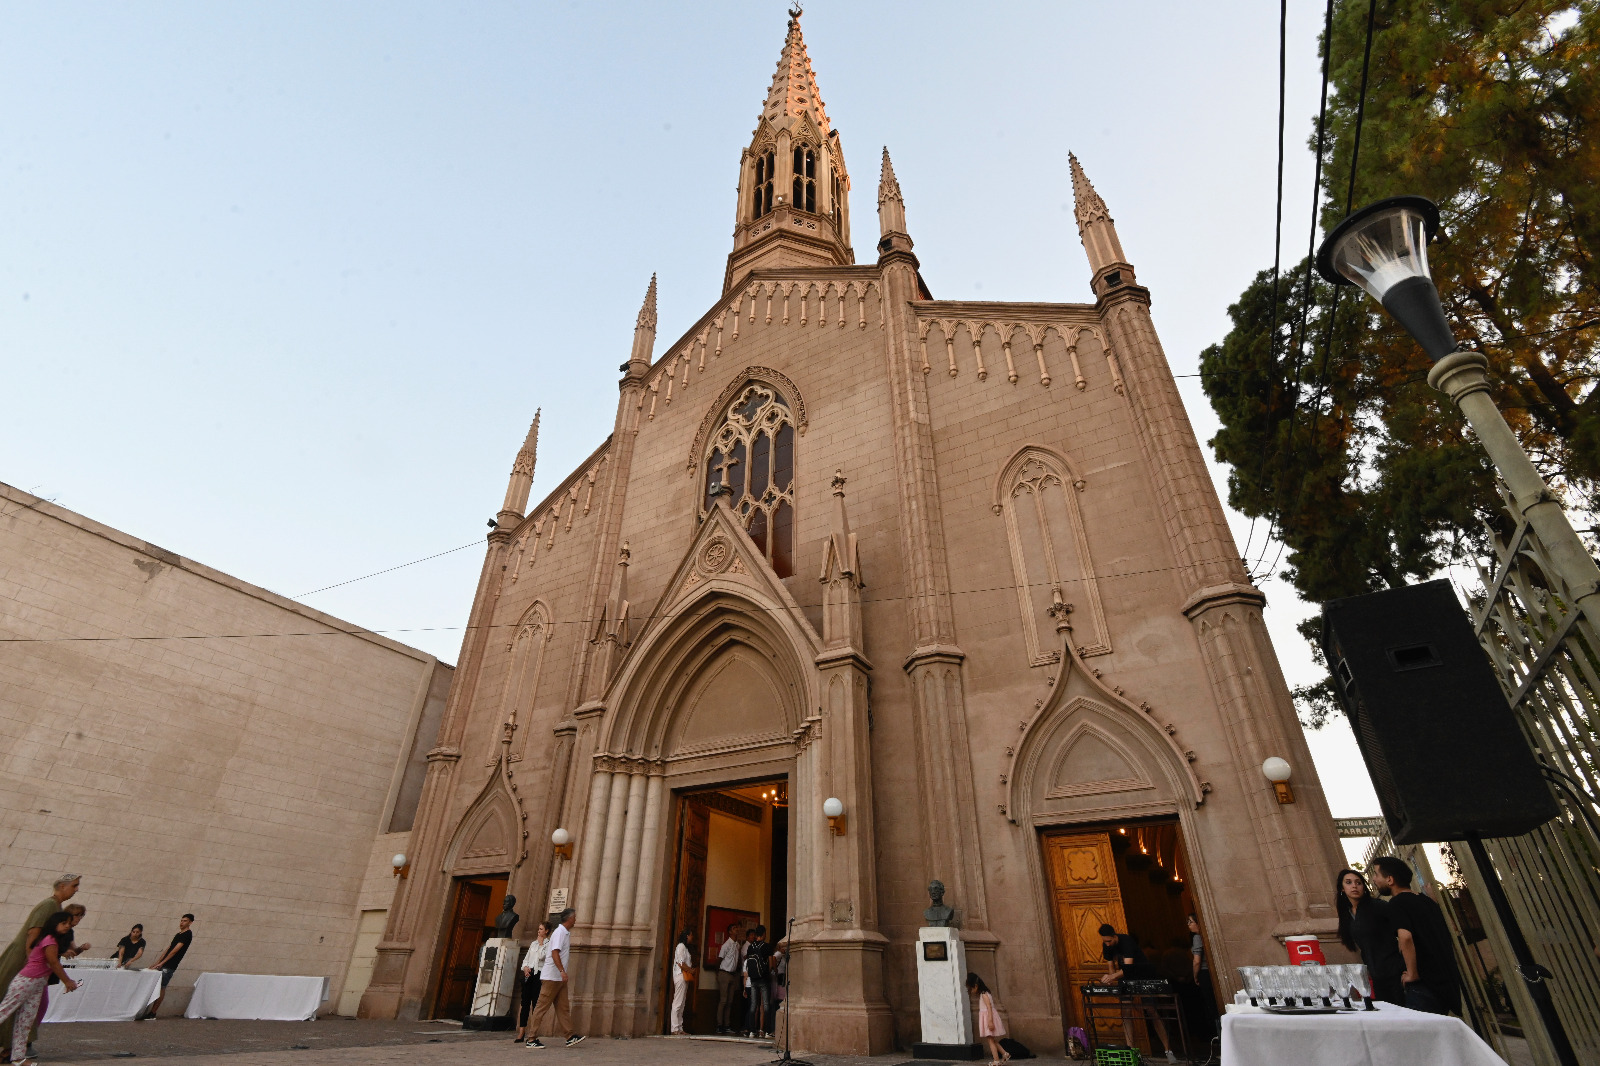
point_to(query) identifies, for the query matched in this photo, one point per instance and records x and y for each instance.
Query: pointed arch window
(1038, 494)
(836, 197)
(766, 166)
(805, 178)
(752, 453)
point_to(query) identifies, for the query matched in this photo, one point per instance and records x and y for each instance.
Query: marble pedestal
(942, 990)
(496, 985)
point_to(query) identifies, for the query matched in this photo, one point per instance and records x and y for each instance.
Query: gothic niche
(1038, 495)
(751, 459)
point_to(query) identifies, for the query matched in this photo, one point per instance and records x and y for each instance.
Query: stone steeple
(1108, 265)
(644, 333)
(521, 478)
(793, 207)
(891, 212)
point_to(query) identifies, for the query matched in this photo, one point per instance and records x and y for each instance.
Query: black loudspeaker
(1446, 756)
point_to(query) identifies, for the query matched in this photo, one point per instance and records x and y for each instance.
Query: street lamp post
(1383, 248)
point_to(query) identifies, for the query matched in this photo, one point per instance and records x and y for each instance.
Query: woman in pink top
(990, 1025)
(22, 998)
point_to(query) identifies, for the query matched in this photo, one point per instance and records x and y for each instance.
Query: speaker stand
(1532, 973)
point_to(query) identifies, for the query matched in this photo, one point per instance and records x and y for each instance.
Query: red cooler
(1304, 951)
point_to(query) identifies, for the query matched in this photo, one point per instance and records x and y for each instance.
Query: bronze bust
(507, 919)
(938, 914)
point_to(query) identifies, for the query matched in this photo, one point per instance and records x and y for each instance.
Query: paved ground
(347, 1042)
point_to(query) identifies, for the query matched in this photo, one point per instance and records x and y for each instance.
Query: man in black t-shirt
(1128, 963)
(168, 963)
(1432, 981)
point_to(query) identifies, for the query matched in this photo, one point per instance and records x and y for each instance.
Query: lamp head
(832, 807)
(398, 862)
(1276, 770)
(560, 837)
(1384, 249)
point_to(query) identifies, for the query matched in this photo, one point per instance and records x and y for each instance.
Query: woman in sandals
(27, 988)
(991, 1027)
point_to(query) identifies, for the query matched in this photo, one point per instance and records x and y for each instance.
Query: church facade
(956, 565)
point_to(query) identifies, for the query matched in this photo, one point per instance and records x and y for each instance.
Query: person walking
(758, 980)
(1364, 927)
(168, 963)
(1431, 979)
(15, 955)
(67, 948)
(730, 967)
(1128, 963)
(532, 966)
(553, 982)
(130, 948)
(991, 1027)
(682, 978)
(26, 989)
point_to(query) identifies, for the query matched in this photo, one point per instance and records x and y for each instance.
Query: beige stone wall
(243, 777)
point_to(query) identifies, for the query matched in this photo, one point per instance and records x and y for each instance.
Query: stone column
(632, 839)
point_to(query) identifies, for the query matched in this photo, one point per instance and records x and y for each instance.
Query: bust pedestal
(495, 987)
(942, 989)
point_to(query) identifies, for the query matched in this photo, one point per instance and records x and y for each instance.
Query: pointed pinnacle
(1087, 204)
(532, 440)
(888, 184)
(647, 313)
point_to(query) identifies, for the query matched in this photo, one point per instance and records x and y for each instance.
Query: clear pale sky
(282, 284)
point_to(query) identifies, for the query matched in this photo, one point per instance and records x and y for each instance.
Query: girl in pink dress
(27, 988)
(990, 1025)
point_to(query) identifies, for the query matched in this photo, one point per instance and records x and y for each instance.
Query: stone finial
(521, 479)
(1087, 205)
(528, 454)
(647, 313)
(794, 85)
(891, 204)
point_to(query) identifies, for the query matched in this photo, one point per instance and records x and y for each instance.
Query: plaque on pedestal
(942, 988)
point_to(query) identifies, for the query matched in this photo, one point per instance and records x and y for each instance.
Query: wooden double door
(470, 926)
(1085, 894)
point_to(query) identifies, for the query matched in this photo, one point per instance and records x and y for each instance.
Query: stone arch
(489, 838)
(722, 638)
(1037, 493)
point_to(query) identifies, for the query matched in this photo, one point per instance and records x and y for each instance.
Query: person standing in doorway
(16, 953)
(168, 962)
(1201, 970)
(758, 973)
(1364, 927)
(130, 948)
(1432, 981)
(730, 967)
(682, 978)
(1128, 963)
(532, 967)
(553, 982)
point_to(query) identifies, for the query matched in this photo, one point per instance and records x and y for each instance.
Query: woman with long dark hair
(26, 991)
(683, 975)
(1364, 927)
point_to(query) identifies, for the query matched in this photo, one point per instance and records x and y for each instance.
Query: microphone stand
(788, 1009)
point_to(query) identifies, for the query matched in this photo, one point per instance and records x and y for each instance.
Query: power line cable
(390, 570)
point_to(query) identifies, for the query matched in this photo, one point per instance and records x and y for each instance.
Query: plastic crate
(1115, 1055)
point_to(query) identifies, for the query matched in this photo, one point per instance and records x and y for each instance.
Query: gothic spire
(1098, 231)
(644, 330)
(521, 477)
(891, 205)
(841, 578)
(794, 85)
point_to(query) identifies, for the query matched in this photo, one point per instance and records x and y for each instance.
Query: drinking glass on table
(1251, 976)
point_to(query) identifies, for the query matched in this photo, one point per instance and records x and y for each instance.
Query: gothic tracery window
(805, 179)
(752, 453)
(1050, 554)
(766, 165)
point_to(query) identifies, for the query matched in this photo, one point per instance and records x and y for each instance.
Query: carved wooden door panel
(461, 956)
(1084, 894)
(688, 897)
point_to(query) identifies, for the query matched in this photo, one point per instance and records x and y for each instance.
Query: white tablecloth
(1391, 1036)
(257, 996)
(104, 996)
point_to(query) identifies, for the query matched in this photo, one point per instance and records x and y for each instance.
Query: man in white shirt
(553, 981)
(730, 970)
(683, 974)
